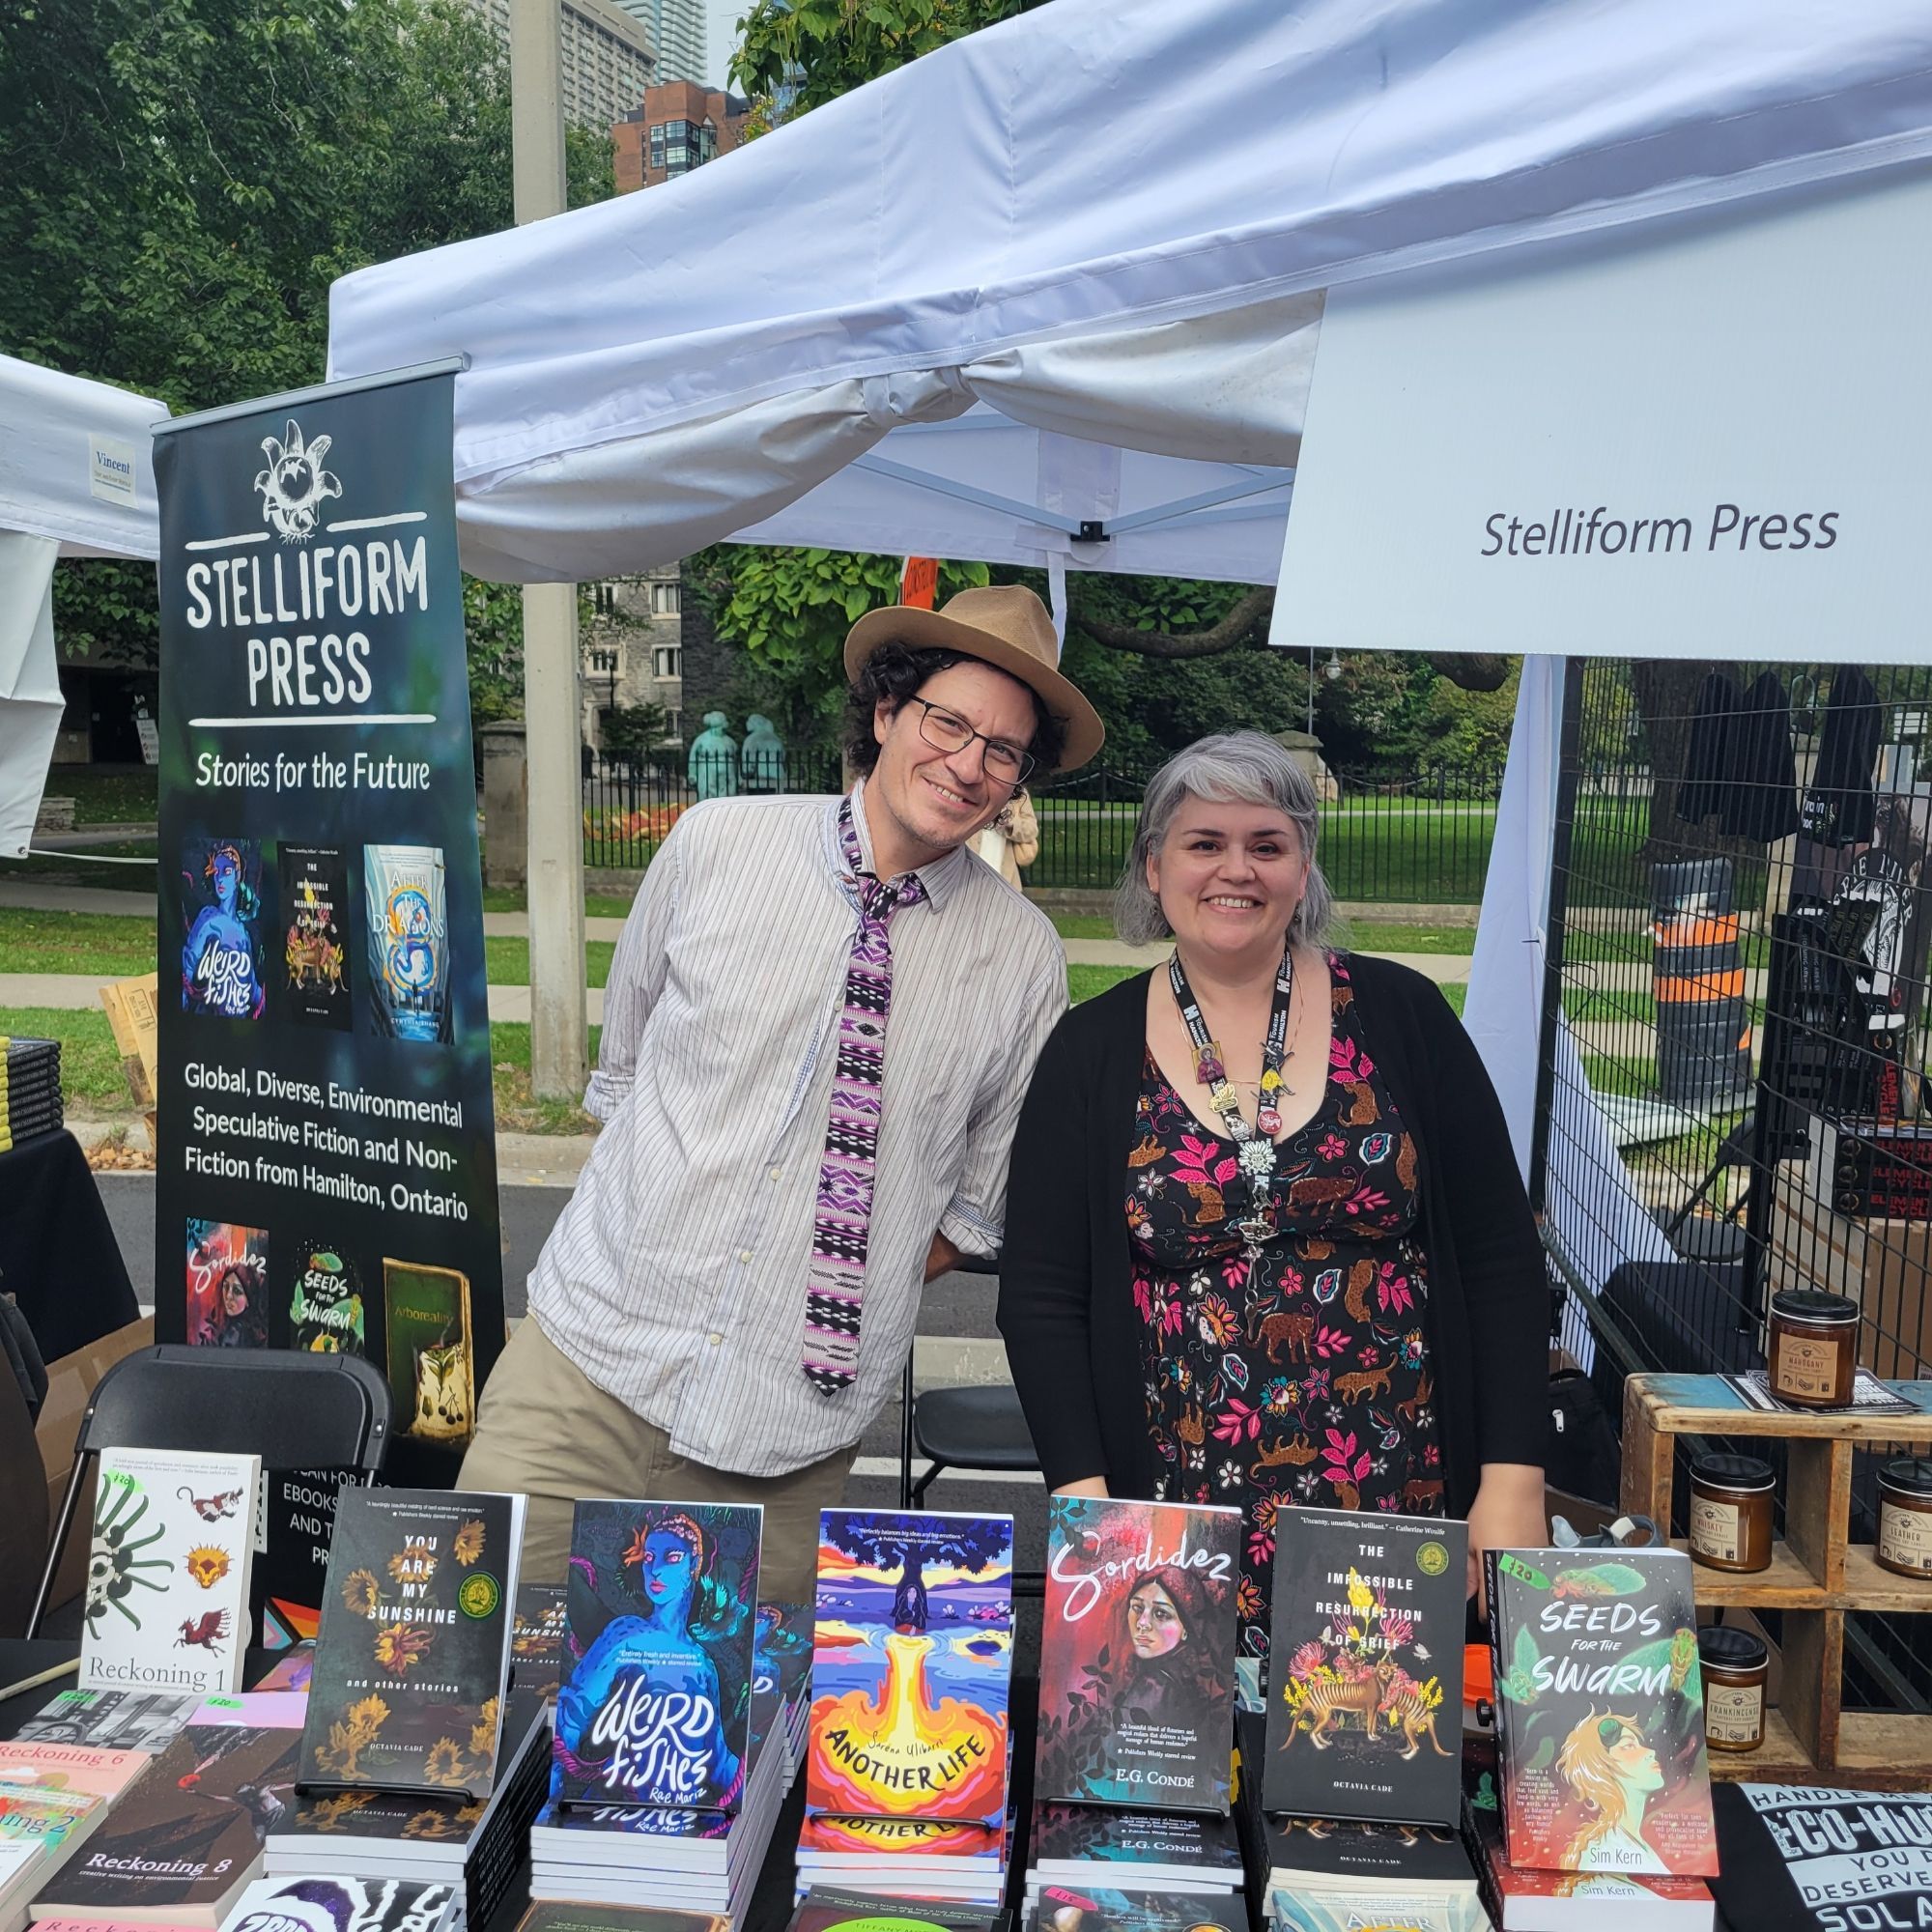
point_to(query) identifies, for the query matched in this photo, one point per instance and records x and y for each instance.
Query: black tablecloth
(58, 1255)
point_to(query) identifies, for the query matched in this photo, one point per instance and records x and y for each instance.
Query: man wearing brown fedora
(819, 1025)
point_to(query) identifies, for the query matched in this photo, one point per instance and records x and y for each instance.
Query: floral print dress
(1298, 1373)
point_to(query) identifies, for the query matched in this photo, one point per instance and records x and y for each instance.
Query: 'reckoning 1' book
(911, 1664)
(1600, 1711)
(1137, 1647)
(413, 1650)
(655, 1705)
(1365, 1667)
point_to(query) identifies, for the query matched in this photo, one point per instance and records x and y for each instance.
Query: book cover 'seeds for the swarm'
(1600, 1711)
(656, 1700)
(1136, 1677)
(911, 1664)
(166, 1607)
(413, 1650)
(1365, 1667)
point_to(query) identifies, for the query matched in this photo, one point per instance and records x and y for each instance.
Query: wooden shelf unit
(1816, 1576)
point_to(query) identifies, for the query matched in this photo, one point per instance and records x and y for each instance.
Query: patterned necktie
(842, 1219)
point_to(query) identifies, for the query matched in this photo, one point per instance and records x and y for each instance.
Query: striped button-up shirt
(676, 1277)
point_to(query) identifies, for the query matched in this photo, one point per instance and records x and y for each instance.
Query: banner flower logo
(294, 486)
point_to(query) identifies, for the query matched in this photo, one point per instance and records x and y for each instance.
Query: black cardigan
(1066, 1297)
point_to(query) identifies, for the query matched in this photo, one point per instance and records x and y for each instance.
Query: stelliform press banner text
(328, 1167)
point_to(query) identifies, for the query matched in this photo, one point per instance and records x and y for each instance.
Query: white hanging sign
(1708, 442)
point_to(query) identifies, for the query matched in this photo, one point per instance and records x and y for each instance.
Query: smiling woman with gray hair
(1267, 1243)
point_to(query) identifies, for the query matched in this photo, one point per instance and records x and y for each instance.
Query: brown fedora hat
(1003, 625)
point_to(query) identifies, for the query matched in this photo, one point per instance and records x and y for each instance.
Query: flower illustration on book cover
(222, 917)
(655, 1709)
(409, 941)
(227, 1285)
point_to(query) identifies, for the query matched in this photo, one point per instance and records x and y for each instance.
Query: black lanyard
(1257, 1142)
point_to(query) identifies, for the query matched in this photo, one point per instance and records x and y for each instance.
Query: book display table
(1817, 1574)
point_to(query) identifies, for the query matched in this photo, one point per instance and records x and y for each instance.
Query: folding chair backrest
(294, 1409)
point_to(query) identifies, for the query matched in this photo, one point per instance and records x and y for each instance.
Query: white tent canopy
(1109, 220)
(76, 480)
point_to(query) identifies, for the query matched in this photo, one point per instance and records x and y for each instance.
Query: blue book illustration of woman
(646, 1717)
(220, 972)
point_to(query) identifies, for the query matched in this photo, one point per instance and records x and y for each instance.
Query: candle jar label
(1734, 1715)
(1716, 1530)
(1905, 1538)
(1806, 1368)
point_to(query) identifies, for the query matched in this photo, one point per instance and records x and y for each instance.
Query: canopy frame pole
(553, 669)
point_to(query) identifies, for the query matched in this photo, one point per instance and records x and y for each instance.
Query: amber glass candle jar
(1814, 1347)
(1730, 1511)
(1905, 1516)
(1734, 1664)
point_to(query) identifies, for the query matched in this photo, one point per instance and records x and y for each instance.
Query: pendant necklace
(1254, 1146)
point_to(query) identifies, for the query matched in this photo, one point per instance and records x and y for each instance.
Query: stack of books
(652, 1855)
(1360, 1761)
(30, 1089)
(669, 1763)
(418, 1838)
(1078, 1845)
(1320, 1868)
(418, 1768)
(782, 1663)
(904, 1858)
(39, 1827)
(1597, 1809)
(908, 1756)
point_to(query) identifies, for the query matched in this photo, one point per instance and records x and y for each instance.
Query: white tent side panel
(76, 462)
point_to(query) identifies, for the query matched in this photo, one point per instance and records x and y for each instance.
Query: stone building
(633, 651)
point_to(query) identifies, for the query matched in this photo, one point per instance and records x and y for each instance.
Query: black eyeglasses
(1007, 763)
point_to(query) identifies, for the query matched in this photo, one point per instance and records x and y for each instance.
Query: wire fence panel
(1413, 838)
(1744, 931)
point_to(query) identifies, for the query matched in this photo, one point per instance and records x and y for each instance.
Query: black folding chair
(976, 1428)
(294, 1409)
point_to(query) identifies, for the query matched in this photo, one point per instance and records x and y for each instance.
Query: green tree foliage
(186, 178)
(807, 52)
(1211, 667)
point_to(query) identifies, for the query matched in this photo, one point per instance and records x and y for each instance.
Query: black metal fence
(1405, 838)
(1740, 931)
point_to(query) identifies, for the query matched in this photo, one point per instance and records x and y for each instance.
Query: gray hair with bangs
(1231, 768)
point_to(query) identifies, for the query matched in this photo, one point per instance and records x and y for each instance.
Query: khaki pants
(547, 1429)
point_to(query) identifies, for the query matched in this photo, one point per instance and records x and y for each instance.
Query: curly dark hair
(896, 671)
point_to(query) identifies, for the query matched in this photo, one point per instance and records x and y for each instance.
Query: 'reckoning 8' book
(1136, 1656)
(1600, 1711)
(911, 1662)
(655, 1704)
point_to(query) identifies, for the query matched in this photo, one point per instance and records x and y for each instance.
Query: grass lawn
(106, 798)
(518, 1109)
(102, 942)
(509, 962)
(91, 1082)
(596, 905)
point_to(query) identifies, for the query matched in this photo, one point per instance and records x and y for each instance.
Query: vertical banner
(328, 1159)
